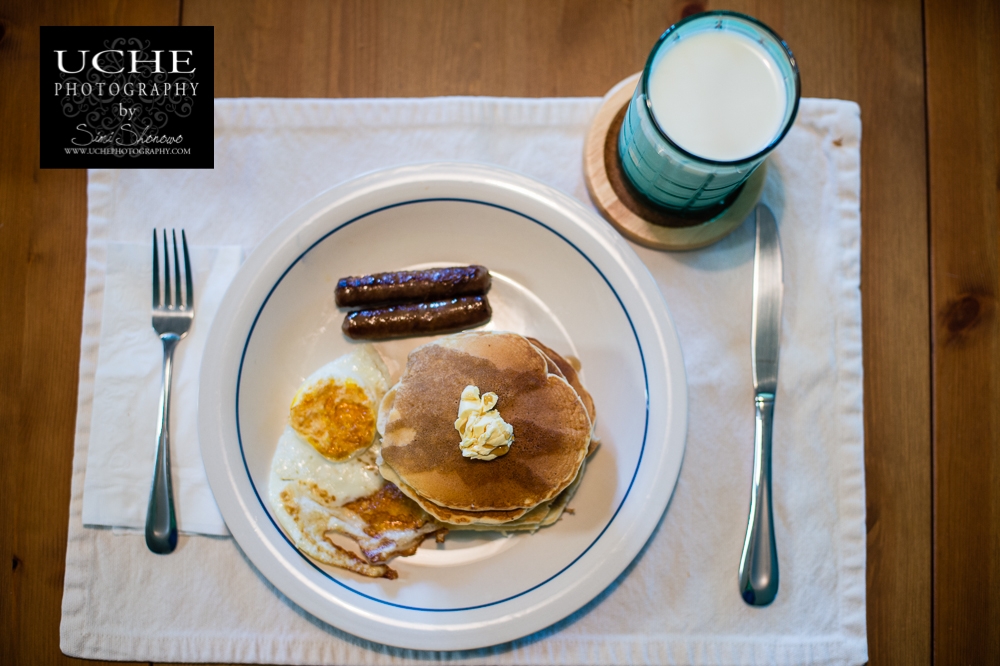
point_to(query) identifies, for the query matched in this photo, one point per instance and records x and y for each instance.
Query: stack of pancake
(539, 394)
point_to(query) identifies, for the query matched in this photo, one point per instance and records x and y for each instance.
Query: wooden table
(927, 77)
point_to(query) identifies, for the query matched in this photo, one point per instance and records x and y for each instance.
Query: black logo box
(126, 97)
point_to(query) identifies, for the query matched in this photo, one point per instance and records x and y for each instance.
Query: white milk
(718, 94)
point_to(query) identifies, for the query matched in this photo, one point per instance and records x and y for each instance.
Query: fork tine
(187, 273)
(167, 295)
(177, 272)
(156, 272)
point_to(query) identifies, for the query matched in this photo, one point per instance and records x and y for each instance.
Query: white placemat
(678, 602)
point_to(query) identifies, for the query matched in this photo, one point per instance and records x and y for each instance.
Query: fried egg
(335, 408)
(324, 480)
(295, 460)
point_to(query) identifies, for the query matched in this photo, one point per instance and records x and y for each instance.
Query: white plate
(560, 274)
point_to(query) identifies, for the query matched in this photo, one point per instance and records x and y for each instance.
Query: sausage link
(430, 284)
(417, 318)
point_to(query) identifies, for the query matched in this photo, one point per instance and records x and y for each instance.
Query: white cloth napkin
(127, 394)
(677, 603)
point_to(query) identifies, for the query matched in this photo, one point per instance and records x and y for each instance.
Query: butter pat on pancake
(421, 446)
(485, 435)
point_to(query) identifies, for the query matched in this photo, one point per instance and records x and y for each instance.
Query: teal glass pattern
(670, 176)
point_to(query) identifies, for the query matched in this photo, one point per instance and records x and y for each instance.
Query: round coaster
(628, 211)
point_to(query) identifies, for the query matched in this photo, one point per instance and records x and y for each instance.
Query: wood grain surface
(926, 78)
(963, 114)
(43, 230)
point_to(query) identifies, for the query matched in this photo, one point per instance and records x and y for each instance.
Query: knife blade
(758, 575)
(768, 290)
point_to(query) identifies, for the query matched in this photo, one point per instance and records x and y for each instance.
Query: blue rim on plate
(246, 345)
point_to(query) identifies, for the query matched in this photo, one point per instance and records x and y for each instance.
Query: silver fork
(172, 317)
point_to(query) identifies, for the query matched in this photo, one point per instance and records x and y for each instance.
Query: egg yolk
(335, 418)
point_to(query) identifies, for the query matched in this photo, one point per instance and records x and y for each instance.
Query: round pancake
(551, 425)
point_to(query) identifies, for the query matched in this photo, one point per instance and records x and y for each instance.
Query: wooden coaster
(632, 214)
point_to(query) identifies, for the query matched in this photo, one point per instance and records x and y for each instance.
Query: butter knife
(759, 562)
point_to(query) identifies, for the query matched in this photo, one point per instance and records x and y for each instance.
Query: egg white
(364, 366)
(296, 460)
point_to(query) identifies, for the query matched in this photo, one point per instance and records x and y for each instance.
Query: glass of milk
(718, 93)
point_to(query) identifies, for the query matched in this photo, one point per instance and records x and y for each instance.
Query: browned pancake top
(567, 370)
(420, 443)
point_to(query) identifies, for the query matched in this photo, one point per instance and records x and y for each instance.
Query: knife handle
(759, 562)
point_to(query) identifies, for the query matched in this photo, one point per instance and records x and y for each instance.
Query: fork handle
(161, 524)
(759, 563)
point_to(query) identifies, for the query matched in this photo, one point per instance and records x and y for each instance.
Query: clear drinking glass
(672, 177)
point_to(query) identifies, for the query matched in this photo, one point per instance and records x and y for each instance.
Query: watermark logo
(126, 97)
